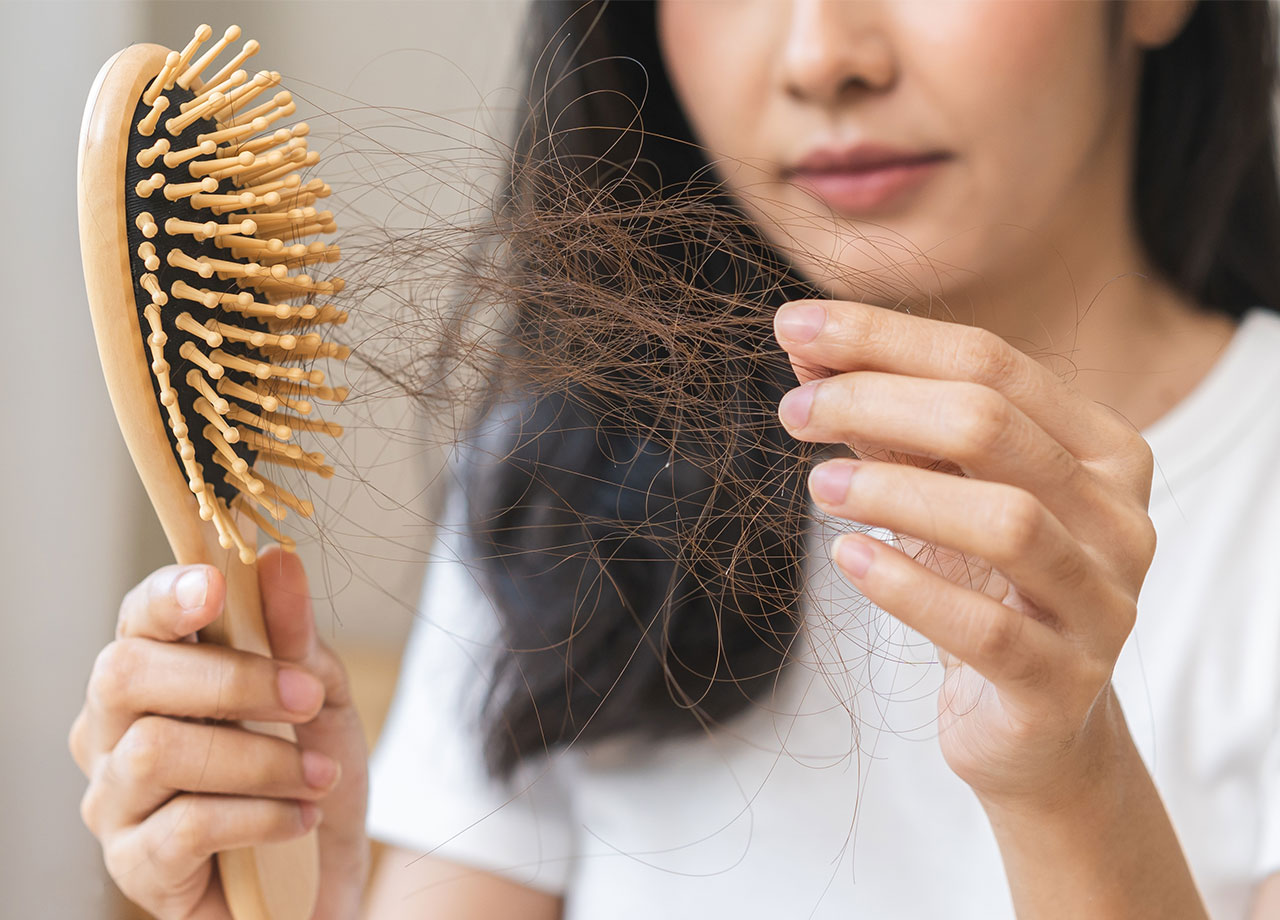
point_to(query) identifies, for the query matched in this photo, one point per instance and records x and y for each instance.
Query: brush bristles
(222, 221)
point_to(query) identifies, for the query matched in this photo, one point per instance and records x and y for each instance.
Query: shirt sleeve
(429, 789)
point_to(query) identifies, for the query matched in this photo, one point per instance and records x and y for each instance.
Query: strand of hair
(264, 443)
(302, 464)
(246, 508)
(332, 429)
(304, 508)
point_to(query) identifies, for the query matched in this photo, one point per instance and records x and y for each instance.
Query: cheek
(1021, 87)
(717, 54)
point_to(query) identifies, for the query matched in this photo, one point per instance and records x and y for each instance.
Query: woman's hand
(1026, 578)
(1033, 555)
(171, 783)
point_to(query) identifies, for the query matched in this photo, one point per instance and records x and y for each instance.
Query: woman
(1088, 179)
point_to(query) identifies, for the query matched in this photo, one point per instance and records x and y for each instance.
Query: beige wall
(77, 527)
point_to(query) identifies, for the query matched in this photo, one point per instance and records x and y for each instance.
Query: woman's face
(867, 135)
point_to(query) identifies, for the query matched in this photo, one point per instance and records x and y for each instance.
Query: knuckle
(859, 326)
(998, 636)
(89, 807)
(1120, 609)
(1125, 618)
(140, 751)
(1145, 540)
(120, 864)
(1144, 458)
(980, 420)
(989, 359)
(1019, 523)
(109, 679)
(1092, 674)
(1069, 568)
(191, 831)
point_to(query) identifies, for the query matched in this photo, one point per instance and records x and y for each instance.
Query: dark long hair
(645, 559)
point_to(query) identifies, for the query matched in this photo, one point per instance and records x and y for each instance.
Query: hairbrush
(193, 225)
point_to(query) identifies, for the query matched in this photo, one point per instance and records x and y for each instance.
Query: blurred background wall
(78, 529)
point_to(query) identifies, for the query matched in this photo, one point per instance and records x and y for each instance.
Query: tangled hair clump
(636, 512)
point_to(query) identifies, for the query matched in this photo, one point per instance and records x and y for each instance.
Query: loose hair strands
(635, 510)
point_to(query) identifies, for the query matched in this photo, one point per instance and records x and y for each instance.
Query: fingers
(1004, 526)
(167, 857)
(1007, 647)
(971, 425)
(172, 603)
(135, 676)
(167, 788)
(157, 757)
(852, 336)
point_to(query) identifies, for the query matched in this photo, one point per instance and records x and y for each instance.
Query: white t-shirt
(834, 801)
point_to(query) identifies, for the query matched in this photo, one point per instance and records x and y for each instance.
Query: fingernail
(310, 814)
(319, 770)
(829, 482)
(801, 322)
(299, 691)
(795, 406)
(191, 589)
(853, 555)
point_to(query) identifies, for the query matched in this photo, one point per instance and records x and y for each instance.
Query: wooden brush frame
(275, 881)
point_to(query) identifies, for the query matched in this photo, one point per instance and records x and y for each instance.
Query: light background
(77, 527)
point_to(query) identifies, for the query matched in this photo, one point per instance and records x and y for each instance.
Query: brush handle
(273, 881)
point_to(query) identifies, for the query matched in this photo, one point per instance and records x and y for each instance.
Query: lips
(857, 181)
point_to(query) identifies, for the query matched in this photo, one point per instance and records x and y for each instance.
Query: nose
(835, 49)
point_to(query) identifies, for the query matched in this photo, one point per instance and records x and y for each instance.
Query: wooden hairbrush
(193, 218)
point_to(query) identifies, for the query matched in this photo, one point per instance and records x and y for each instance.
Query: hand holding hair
(1027, 578)
(172, 782)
